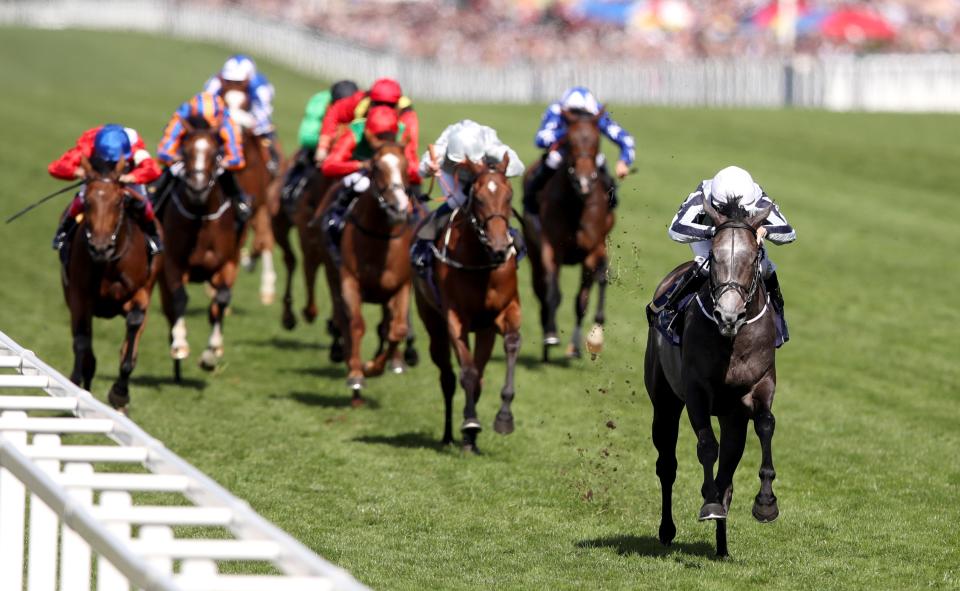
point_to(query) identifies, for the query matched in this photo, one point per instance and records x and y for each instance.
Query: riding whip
(44, 200)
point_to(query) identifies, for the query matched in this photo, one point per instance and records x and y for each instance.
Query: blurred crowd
(500, 32)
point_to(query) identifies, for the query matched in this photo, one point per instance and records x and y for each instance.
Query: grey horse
(724, 367)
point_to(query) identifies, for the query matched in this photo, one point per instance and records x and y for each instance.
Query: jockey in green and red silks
(210, 110)
(104, 146)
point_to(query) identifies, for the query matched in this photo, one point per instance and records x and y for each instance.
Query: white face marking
(492, 187)
(201, 148)
(392, 163)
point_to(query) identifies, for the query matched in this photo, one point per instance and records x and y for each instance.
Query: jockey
(208, 108)
(240, 83)
(310, 135)
(553, 127)
(461, 141)
(104, 146)
(384, 91)
(693, 226)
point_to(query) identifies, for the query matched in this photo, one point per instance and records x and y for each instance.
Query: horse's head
(236, 94)
(489, 207)
(103, 209)
(583, 146)
(201, 158)
(388, 172)
(734, 263)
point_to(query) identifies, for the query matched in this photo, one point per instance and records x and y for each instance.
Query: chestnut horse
(203, 245)
(474, 289)
(574, 222)
(108, 273)
(724, 367)
(255, 180)
(375, 265)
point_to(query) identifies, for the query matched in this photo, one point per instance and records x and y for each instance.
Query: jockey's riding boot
(532, 187)
(772, 285)
(67, 224)
(295, 179)
(161, 185)
(240, 200)
(138, 211)
(610, 185)
(421, 254)
(689, 283)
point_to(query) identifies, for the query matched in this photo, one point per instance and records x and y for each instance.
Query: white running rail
(75, 513)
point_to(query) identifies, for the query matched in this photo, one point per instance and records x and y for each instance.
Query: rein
(385, 206)
(747, 292)
(115, 235)
(479, 229)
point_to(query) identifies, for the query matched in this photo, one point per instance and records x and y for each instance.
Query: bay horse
(255, 180)
(474, 289)
(374, 265)
(724, 367)
(574, 222)
(203, 244)
(108, 273)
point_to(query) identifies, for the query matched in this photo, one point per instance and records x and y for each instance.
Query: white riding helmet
(466, 143)
(239, 68)
(734, 183)
(579, 98)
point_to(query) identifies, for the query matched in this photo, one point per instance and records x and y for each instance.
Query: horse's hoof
(246, 261)
(411, 356)
(336, 352)
(309, 315)
(766, 513)
(208, 360)
(372, 370)
(503, 423)
(267, 298)
(712, 512)
(218, 351)
(179, 353)
(667, 532)
(118, 397)
(356, 383)
(471, 449)
(357, 401)
(551, 339)
(573, 352)
(446, 441)
(397, 367)
(288, 320)
(594, 340)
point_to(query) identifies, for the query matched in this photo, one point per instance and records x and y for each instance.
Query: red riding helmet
(382, 120)
(386, 90)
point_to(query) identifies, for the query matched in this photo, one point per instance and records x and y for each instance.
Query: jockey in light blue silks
(553, 127)
(693, 226)
(249, 95)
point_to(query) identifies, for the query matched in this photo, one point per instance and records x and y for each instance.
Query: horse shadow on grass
(320, 371)
(155, 382)
(408, 440)
(536, 363)
(324, 400)
(648, 546)
(284, 344)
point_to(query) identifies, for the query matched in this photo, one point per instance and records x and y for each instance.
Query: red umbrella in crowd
(767, 16)
(856, 25)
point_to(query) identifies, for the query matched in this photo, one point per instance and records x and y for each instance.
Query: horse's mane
(198, 122)
(733, 210)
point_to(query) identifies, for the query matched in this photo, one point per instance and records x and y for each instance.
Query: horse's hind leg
(667, 408)
(410, 355)
(595, 336)
(119, 395)
(580, 310)
(765, 508)
(548, 314)
(282, 235)
(733, 438)
(440, 355)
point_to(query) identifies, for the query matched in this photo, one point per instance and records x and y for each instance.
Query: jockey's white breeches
(701, 251)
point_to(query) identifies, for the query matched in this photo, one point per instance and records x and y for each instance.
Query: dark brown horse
(475, 290)
(574, 221)
(108, 274)
(724, 367)
(255, 180)
(375, 264)
(203, 245)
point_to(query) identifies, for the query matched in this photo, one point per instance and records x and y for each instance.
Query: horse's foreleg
(469, 380)
(510, 327)
(410, 355)
(733, 438)
(395, 315)
(698, 401)
(311, 262)
(580, 309)
(84, 362)
(595, 336)
(136, 317)
(440, 355)
(548, 312)
(268, 278)
(765, 508)
(222, 282)
(282, 234)
(352, 304)
(666, 424)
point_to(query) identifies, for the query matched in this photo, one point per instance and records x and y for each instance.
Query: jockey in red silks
(104, 146)
(351, 156)
(383, 92)
(206, 109)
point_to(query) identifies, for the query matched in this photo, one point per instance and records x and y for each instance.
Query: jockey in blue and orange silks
(209, 109)
(239, 83)
(553, 127)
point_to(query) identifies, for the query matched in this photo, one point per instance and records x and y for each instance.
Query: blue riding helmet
(112, 144)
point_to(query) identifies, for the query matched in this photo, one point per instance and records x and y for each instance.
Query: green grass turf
(866, 443)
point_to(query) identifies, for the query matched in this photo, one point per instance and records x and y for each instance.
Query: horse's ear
(86, 166)
(757, 219)
(187, 126)
(717, 217)
(120, 167)
(501, 167)
(375, 142)
(568, 117)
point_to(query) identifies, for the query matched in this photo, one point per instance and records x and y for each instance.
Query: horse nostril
(717, 315)
(742, 315)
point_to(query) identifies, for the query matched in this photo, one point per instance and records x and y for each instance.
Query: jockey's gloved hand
(622, 169)
(177, 168)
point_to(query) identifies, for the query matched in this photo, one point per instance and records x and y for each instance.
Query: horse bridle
(747, 293)
(115, 235)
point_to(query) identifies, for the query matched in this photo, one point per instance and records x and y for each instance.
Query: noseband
(575, 179)
(115, 235)
(746, 292)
